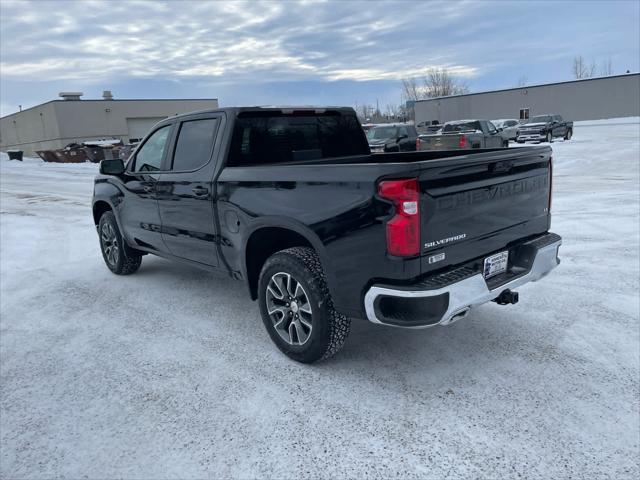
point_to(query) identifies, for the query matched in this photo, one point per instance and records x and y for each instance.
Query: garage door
(139, 127)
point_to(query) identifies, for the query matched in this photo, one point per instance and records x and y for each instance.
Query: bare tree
(522, 81)
(439, 82)
(364, 111)
(391, 111)
(607, 68)
(410, 89)
(581, 69)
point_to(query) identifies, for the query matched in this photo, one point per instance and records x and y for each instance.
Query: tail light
(462, 143)
(418, 142)
(550, 182)
(403, 230)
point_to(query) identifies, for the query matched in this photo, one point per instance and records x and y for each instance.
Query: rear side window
(194, 145)
(271, 137)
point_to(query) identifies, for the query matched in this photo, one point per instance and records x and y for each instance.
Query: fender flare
(296, 226)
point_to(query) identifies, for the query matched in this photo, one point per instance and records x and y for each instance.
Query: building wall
(55, 124)
(32, 127)
(608, 97)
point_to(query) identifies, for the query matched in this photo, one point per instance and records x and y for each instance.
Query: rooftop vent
(70, 95)
(107, 95)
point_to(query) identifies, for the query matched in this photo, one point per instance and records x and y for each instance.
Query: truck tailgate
(473, 208)
(449, 141)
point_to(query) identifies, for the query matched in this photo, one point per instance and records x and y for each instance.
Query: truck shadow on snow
(489, 334)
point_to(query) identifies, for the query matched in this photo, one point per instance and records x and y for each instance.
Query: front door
(139, 213)
(186, 192)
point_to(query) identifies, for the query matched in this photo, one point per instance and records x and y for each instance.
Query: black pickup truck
(291, 202)
(544, 128)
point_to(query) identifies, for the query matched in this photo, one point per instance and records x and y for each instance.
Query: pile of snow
(170, 373)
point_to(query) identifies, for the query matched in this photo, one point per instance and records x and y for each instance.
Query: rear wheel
(296, 306)
(505, 143)
(121, 259)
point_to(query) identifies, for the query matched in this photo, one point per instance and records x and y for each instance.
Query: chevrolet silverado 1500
(291, 202)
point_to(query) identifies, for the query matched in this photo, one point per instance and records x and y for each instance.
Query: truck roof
(279, 109)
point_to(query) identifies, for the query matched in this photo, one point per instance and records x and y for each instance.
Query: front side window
(149, 157)
(194, 145)
(492, 128)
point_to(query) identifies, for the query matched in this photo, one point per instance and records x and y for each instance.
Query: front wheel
(121, 259)
(549, 137)
(296, 306)
(567, 135)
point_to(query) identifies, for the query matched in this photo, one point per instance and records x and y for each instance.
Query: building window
(524, 114)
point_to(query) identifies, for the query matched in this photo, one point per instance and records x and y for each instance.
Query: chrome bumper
(467, 293)
(531, 137)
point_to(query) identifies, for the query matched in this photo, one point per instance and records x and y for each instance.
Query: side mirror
(500, 129)
(114, 166)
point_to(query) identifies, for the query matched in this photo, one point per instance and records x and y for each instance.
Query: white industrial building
(586, 99)
(57, 123)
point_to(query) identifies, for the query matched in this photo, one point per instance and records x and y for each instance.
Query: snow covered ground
(169, 372)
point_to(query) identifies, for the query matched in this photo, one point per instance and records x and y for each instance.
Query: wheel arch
(99, 209)
(265, 239)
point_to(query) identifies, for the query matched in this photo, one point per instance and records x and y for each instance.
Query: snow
(169, 373)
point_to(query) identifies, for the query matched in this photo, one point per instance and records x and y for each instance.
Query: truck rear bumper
(446, 297)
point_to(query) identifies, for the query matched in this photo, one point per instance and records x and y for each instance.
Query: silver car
(509, 127)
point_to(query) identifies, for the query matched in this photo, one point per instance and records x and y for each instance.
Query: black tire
(120, 258)
(567, 136)
(549, 137)
(505, 144)
(329, 329)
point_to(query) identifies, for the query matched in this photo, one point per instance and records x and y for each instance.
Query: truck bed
(471, 204)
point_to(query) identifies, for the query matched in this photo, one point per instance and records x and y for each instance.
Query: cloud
(246, 41)
(336, 51)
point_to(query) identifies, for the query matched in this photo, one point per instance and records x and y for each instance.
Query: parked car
(508, 127)
(292, 203)
(463, 135)
(544, 128)
(392, 137)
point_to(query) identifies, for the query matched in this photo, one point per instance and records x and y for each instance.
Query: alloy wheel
(110, 243)
(289, 308)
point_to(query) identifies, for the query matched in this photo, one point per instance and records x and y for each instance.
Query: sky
(299, 52)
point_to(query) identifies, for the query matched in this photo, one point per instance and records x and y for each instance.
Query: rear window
(272, 137)
(462, 127)
(194, 145)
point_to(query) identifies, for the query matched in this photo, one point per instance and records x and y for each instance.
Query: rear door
(480, 202)
(186, 193)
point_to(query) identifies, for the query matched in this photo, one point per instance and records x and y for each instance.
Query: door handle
(200, 191)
